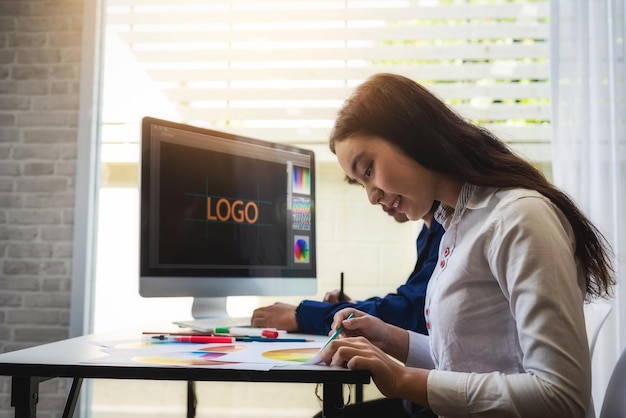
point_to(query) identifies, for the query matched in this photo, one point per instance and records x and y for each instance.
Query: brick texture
(40, 52)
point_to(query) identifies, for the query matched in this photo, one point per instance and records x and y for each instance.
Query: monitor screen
(224, 215)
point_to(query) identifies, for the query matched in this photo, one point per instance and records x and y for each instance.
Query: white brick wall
(40, 49)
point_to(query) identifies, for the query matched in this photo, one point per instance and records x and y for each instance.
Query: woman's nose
(374, 195)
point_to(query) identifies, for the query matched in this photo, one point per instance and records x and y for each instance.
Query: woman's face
(389, 176)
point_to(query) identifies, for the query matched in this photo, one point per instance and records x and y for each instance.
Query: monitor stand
(209, 308)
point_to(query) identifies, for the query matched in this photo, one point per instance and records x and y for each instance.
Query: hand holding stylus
(389, 338)
(337, 332)
(359, 353)
(333, 297)
(337, 295)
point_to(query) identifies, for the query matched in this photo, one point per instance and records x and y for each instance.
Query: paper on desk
(317, 359)
(276, 353)
(186, 357)
(250, 355)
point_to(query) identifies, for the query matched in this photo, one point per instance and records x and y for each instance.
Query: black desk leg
(358, 393)
(72, 398)
(191, 399)
(25, 395)
(333, 400)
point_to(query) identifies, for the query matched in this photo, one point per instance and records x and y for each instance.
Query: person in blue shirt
(405, 308)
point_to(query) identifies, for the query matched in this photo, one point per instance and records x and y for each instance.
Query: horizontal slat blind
(279, 70)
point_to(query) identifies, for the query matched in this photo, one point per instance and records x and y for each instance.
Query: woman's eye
(368, 171)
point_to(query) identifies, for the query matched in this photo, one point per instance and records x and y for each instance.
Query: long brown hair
(413, 119)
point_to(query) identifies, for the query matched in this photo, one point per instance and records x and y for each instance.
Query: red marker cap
(268, 333)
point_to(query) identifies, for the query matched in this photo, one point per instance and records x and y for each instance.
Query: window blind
(279, 70)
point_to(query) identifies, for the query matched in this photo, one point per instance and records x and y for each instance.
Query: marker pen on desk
(163, 334)
(204, 339)
(250, 332)
(199, 339)
(271, 340)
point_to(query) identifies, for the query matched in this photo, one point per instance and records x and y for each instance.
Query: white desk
(67, 358)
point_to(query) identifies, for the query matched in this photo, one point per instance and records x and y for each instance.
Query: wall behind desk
(40, 56)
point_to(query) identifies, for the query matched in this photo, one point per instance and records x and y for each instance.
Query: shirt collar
(449, 216)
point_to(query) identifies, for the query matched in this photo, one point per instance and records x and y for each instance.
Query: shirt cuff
(310, 317)
(419, 351)
(447, 393)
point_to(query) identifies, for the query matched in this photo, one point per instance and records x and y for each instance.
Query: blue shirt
(405, 308)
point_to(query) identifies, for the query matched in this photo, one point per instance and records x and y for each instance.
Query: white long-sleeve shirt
(504, 309)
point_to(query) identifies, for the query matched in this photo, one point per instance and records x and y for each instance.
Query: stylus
(336, 333)
(318, 357)
(341, 295)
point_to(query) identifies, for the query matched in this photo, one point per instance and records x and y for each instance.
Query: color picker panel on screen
(301, 180)
(301, 249)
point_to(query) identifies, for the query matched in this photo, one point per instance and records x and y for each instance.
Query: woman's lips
(391, 208)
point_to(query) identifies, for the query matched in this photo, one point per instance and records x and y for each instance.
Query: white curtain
(588, 47)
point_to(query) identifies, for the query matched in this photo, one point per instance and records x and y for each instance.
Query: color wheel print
(301, 249)
(202, 357)
(298, 355)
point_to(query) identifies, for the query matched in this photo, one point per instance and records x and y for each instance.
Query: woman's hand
(387, 337)
(393, 379)
(367, 344)
(358, 353)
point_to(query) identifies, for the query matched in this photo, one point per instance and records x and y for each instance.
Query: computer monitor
(224, 215)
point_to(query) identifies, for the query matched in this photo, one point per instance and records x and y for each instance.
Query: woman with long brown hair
(504, 306)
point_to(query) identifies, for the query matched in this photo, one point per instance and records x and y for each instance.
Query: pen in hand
(318, 357)
(337, 332)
